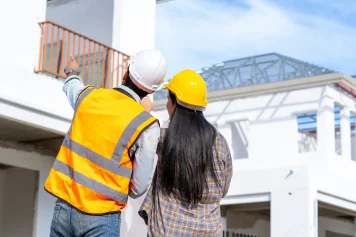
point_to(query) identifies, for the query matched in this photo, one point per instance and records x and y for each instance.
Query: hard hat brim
(184, 104)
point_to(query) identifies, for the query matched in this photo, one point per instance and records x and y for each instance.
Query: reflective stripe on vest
(95, 183)
(85, 181)
(82, 96)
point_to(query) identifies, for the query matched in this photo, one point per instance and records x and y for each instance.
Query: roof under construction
(260, 69)
(264, 69)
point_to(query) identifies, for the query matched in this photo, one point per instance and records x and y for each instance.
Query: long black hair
(186, 154)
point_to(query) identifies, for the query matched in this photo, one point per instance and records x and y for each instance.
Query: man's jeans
(69, 222)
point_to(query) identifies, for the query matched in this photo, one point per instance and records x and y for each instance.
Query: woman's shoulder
(221, 143)
(219, 137)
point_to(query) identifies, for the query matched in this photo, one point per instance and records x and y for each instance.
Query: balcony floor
(13, 130)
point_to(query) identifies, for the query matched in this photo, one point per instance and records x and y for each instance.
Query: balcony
(39, 110)
(100, 65)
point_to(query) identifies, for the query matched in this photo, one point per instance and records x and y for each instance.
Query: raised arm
(73, 85)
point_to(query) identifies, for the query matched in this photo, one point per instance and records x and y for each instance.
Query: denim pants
(69, 222)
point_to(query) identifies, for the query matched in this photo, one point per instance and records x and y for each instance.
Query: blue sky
(199, 33)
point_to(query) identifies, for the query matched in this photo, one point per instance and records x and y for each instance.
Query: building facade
(291, 130)
(290, 124)
(34, 112)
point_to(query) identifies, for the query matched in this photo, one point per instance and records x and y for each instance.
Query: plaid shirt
(171, 216)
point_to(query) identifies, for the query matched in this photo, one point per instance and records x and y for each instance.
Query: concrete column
(223, 210)
(44, 205)
(326, 127)
(224, 223)
(134, 25)
(353, 142)
(345, 133)
(294, 213)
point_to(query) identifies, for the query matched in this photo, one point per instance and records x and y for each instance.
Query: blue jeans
(69, 222)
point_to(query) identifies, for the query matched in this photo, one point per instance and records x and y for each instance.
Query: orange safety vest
(93, 168)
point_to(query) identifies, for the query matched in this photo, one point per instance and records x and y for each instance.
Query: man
(108, 152)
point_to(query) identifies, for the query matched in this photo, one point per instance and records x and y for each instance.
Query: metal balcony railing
(100, 64)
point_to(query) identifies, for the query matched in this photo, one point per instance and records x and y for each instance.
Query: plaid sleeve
(225, 156)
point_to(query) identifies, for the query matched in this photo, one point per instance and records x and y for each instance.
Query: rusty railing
(100, 64)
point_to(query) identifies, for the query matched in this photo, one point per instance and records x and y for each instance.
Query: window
(337, 133)
(353, 135)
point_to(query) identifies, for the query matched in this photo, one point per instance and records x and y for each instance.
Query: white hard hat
(148, 69)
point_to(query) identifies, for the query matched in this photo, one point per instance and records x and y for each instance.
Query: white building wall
(42, 216)
(24, 95)
(127, 25)
(271, 138)
(275, 170)
(293, 213)
(92, 18)
(21, 48)
(134, 25)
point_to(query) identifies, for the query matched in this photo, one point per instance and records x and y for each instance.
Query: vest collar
(131, 92)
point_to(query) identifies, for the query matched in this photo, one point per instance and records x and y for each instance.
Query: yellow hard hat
(189, 88)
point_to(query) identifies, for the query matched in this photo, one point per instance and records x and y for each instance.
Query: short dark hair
(129, 83)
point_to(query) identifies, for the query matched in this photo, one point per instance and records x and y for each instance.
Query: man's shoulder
(151, 132)
(153, 127)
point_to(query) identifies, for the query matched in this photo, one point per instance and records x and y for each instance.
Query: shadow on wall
(239, 144)
(307, 142)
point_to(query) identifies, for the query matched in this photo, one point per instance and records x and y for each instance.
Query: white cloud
(199, 33)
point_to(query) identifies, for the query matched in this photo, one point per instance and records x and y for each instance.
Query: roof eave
(287, 85)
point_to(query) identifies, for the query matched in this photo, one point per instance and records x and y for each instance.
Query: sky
(200, 33)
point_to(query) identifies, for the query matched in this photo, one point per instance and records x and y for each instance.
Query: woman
(194, 167)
